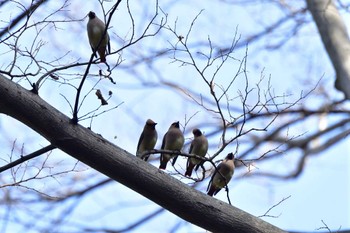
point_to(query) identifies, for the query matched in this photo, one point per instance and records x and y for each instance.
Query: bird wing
(211, 180)
(163, 142)
(162, 147)
(189, 158)
(140, 140)
(191, 148)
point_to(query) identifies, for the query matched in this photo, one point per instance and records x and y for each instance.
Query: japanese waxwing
(95, 30)
(148, 139)
(222, 175)
(199, 146)
(172, 140)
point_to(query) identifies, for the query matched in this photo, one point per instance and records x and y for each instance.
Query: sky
(319, 194)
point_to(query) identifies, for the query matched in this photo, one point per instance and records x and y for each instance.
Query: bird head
(175, 124)
(92, 15)
(196, 132)
(150, 122)
(230, 156)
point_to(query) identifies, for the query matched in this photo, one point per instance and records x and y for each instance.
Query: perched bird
(172, 140)
(95, 30)
(222, 175)
(148, 139)
(199, 146)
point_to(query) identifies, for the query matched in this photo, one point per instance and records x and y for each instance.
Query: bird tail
(174, 160)
(211, 191)
(199, 165)
(163, 162)
(102, 53)
(189, 169)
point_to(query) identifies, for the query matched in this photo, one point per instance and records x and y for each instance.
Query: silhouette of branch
(27, 157)
(130, 227)
(26, 13)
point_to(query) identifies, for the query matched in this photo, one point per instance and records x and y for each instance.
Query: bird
(172, 140)
(95, 30)
(199, 146)
(148, 139)
(222, 175)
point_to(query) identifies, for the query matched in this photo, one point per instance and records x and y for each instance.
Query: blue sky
(320, 193)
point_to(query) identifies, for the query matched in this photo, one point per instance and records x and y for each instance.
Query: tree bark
(335, 39)
(95, 151)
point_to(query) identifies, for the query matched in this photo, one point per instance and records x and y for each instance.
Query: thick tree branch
(335, 39)
(93, 150)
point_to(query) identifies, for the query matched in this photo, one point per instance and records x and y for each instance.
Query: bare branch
(105, 157)
(26, 158)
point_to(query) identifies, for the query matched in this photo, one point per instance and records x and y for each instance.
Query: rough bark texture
(93, 150)
(335, 39)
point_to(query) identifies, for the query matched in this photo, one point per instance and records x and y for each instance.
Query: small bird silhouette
(199, 146)
(148, 139)
(172, 140)
(95, 30)
(222, 175)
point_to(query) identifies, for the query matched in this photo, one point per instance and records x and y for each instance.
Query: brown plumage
(172, 140)
(95, 30)
(222, 175)
(199, 146)
(148, 139)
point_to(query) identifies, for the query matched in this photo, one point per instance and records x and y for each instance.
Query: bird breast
(95, 32)
(174, 142)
